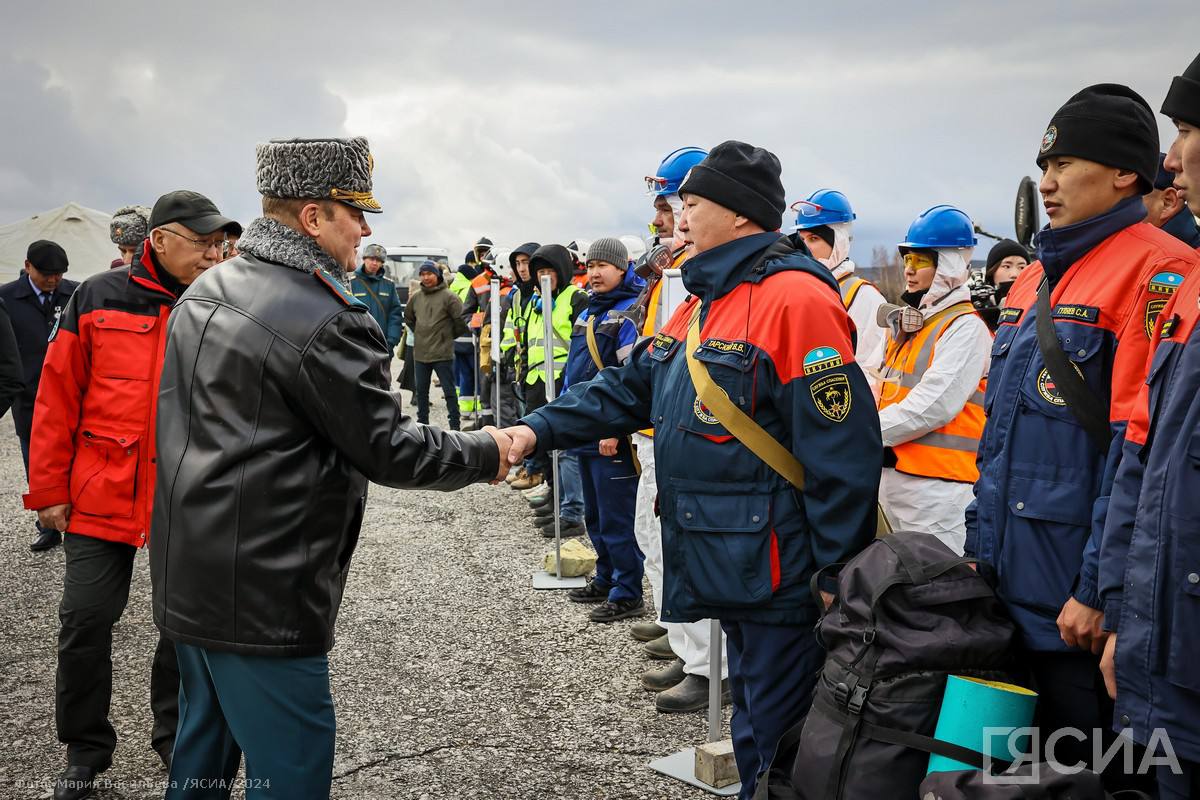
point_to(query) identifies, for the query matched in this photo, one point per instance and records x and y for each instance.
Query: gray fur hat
(609, 250)
(318, 169)
(375, 251)
(129, 226)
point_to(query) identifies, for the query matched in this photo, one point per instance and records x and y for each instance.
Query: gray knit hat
(129, 226)
(318, 169)
(610, 250)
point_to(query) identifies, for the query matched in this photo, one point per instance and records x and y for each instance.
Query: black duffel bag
(907, 613)
(1024, 782)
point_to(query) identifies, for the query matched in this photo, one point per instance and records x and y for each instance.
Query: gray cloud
(538, 120)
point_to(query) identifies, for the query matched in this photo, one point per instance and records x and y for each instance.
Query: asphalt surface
(451, 676)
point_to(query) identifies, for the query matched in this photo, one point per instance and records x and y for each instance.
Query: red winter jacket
(93, 422)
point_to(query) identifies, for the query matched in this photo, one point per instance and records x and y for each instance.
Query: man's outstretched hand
(524, 442)
(504, 443)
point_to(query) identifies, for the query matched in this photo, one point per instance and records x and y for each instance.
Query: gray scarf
(271, 240)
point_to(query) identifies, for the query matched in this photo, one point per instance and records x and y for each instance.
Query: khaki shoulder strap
(745, 429)
(593, 348)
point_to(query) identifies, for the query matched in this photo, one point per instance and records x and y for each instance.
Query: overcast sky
(537, 121)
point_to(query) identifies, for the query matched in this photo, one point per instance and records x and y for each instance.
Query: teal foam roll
(970, 705)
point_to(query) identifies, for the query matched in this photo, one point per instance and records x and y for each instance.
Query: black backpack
(1045, 784)
(908, 612)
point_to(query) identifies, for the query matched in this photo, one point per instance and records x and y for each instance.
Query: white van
(403, 262)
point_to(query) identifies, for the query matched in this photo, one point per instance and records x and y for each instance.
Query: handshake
(514, 443)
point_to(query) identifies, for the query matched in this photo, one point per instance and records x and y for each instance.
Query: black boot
(647, 631)
(75, 783)
(591, 592)
(659, 680)
(690, 694)
(659, 649)
(608, 611)
(47, 539)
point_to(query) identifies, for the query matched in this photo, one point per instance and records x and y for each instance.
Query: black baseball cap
(192, 210)
(47, 256)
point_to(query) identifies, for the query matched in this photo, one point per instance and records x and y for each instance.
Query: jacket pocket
(728, 547)
(1048, 525)
(1185, 604)
(1083, 347)
(123, 345)
(104, 474)
(1000, 348)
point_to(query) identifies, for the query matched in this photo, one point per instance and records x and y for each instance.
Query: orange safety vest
(948, 452)
(849, 285)
(650, 326)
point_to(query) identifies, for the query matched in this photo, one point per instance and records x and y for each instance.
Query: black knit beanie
(824, 232)
(1183, 98)
(743, 178)
(1110, 124)
(1000, 251)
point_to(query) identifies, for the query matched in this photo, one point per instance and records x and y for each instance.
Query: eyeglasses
(916, 261)
(655, 184)
(806, 209)
(200, 245)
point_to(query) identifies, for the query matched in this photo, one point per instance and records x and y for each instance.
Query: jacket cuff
(44, 498)
(489, 461)
(1085, 592)
(1112, 613)
(539, 426)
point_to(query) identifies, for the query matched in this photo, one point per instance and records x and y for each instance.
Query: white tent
(82, 232)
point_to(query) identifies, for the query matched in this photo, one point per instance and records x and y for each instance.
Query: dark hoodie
(558, 257)
(435, 318)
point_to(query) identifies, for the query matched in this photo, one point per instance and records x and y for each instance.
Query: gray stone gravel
(451, 676)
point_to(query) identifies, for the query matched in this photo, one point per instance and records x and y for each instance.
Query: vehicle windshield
(402, 269)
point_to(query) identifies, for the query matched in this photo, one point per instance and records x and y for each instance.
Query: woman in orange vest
(929, 379)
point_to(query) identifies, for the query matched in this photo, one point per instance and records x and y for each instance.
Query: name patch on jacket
(1011, 315)
(831, 396)
(662, 347)
(1076, 312)
(722, 346)
(821, 359)
(1153, 308)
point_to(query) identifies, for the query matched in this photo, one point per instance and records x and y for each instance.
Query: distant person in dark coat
(34, 302)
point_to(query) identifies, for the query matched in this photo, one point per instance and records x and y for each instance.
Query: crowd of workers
(724, 449)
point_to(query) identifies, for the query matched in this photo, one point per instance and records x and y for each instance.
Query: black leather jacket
(274, 412)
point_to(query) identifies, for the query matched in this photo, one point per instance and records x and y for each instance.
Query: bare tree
(888, 272)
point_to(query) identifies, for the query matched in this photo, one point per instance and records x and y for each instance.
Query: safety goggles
(655, 184)
(916, 260)
(806, 208)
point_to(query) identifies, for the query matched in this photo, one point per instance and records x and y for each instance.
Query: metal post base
(548, 580)
(682, 767)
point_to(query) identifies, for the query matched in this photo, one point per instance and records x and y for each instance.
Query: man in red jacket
(92, 468)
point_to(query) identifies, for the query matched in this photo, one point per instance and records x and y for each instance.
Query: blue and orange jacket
(1150, 557)
(93, 421)
(739, 542)
(1044, 486)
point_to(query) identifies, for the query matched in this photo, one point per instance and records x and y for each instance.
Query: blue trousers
(570, 487)
(464, 368)
(278, 711)
(609, 499)
(773, 670)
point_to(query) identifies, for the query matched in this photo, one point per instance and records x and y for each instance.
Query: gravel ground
(451, 676)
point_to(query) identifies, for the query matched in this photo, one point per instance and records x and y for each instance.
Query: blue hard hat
(673, 169)
(823, 207)
(940, 226)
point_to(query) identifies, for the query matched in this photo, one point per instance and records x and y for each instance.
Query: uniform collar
(1059, 248)
(146, 272)
(714, 273)
(1183, 227)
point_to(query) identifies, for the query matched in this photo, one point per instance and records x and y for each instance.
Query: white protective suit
(690, 641)
(867, 300)
(960, 359)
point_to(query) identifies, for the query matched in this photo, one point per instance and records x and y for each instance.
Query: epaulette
(334, 285)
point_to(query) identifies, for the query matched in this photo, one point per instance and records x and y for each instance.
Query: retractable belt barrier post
(541, 578)
(496, 353)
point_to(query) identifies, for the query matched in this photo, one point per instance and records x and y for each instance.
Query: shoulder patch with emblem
(1169, 326)
(821, 359)
(831, 396)
(339, 291)
(1165, 283)
(1154, 307)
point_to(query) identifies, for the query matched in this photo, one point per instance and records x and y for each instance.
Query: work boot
(528, 482)
(591, 592)
(514, 472)
(608, 611)
(537, 501)
(647, 631)
(47, 539)
(541, 490)
(690, 694)
(658, 680)
(543, 515)
(566, 529)
(659, 649)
